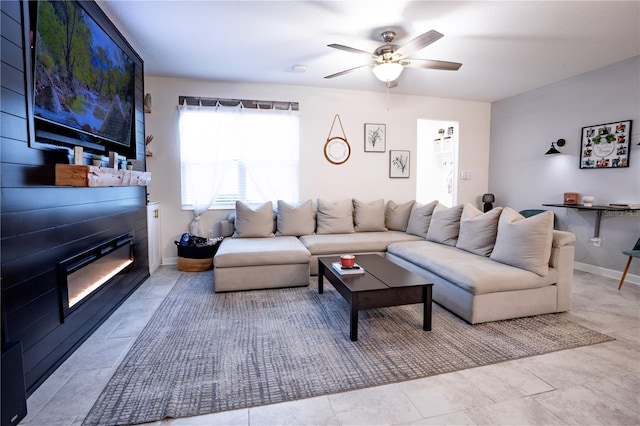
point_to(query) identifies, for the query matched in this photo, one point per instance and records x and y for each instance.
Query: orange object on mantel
(571, 198)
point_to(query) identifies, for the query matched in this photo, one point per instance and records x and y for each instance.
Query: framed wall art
(375, 137)
(605, 146)
(398, 164)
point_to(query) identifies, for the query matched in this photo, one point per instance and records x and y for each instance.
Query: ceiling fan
(389, 60)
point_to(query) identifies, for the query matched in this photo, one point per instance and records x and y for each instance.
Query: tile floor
(597, 384)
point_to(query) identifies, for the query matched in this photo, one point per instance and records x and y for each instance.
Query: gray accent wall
(522, 177)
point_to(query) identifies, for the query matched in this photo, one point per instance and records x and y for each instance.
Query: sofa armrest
(227, 226)
(562, 238)
(562, 258)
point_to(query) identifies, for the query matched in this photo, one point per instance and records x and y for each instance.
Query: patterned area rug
(203, 352)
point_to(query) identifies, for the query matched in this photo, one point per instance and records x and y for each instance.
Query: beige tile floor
(597, 384)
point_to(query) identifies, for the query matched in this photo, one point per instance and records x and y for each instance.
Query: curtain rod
(247, 103)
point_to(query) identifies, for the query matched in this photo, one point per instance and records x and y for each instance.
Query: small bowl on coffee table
(348, 261)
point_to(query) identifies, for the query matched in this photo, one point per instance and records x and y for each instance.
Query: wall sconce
(488, 200)
(553, 150)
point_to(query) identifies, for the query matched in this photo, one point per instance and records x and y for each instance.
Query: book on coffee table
(347, 270)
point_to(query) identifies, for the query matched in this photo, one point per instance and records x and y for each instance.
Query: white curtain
(270, 154)
(202, 159)
(255, 150)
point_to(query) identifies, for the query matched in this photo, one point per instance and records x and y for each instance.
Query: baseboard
(174, 261)
(608, 273)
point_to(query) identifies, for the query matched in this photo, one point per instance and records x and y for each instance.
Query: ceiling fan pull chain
(387, 97)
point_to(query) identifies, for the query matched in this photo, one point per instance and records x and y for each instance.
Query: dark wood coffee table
(383, 284)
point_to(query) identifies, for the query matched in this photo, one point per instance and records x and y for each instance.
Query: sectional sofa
(484, 266)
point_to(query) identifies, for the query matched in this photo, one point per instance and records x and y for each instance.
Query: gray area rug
(203, 352)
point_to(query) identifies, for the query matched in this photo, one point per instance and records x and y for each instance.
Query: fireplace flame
(85, 281)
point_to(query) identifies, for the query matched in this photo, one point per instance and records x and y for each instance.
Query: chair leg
(624, 274)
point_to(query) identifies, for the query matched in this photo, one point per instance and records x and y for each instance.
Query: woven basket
(196, 259)
(187, 264)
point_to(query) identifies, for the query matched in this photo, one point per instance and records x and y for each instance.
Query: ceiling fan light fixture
(388, 71)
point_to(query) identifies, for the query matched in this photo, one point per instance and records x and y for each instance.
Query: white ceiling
(506, 48)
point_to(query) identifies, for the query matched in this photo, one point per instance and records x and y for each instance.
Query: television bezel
(45, 133)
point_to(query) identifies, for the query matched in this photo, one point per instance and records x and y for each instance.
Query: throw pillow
(478, 230)
(368, 216)
(295, 220)
(396, 217)
(252, 223)
(524, 242)
(445, 224)
(334, 218)
(420, 218)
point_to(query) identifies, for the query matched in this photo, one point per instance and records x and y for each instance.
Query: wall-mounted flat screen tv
(84, 82)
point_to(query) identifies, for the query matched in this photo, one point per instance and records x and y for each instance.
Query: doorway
(437, 162)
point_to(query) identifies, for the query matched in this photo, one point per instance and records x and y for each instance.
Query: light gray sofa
(484, 266)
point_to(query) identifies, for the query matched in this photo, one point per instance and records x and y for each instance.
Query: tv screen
(83, 80)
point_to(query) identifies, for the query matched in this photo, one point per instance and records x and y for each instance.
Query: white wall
(521, 176)
(364, 176)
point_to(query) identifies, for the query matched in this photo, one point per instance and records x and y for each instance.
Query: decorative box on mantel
(92, 176)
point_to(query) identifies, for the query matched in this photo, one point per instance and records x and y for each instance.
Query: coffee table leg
(320, 278)
(426, 301)
(353, 323)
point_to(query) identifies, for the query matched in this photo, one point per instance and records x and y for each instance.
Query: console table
(598, 209)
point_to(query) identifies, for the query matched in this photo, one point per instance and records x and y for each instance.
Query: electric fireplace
(85, 273)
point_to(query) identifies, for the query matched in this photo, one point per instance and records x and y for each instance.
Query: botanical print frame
(399, 163)
(605, 146)
(375, 137)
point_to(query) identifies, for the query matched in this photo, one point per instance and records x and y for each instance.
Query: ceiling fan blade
(431, 64)
(338, 74)
(419, 43)
(349, 49)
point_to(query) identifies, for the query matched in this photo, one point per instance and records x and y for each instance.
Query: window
(237, 153)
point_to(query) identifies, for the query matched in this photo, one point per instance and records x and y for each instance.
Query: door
(437, 162)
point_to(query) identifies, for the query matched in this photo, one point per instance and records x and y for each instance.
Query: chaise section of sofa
(258, 263)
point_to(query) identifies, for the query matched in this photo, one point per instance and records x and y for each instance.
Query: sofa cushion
(524, 242)
(359, 242)
(420, 218)
(478, 230)
(368, 217)
(445, 224)
(473, 273)
(235, 252)
(252, 223)
(334, 217)
(295, 220)
(396, 217)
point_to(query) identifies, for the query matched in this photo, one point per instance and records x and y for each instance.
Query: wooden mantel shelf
(93, 176)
